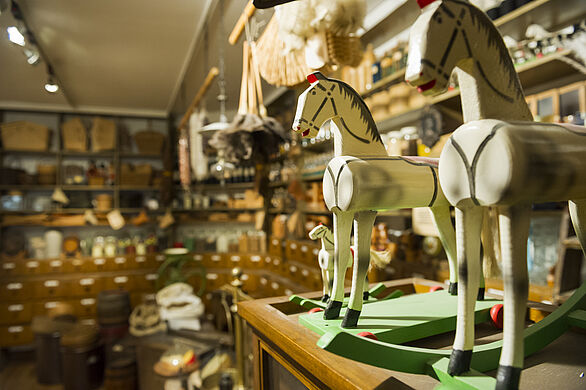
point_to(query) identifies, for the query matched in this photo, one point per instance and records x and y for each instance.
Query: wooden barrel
(121, 373)
(82, 356)
(48, 333)
(113, 307)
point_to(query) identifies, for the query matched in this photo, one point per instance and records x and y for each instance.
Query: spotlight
(32, 56)
(15, 36)
(51, 85)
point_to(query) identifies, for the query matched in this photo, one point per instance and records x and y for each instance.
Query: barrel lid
(80, 335)
(47, 325)
(113, 295)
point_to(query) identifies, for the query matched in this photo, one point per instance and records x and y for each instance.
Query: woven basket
(74, 135)
(24, 135)
(103, 134)
(344, 49)
(149, 141)
(139, 175)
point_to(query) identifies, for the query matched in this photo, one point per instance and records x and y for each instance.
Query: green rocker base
(417, 316)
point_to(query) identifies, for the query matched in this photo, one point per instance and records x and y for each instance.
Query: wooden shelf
(225, 187)
(149, 156)
(27, 187)
(82, 187)
(385, 82)
(88, 154)
(32, 153)
(275, 184)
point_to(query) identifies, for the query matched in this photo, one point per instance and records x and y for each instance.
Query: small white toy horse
(362, 179)
(502, 163)
(326, 259)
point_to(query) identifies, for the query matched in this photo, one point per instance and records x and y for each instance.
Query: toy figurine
(498, 158)
(362, 179)
(326, 259)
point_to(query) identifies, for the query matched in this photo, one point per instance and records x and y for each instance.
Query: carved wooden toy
(326, 259)
(362, 179)
(508, 163)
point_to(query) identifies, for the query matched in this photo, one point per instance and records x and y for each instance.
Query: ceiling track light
(51, 86)
(16, 36)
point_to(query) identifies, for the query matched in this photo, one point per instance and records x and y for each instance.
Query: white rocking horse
(362, 179)
(326, 259)
(498, 158)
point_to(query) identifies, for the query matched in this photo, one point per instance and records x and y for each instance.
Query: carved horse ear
(312, 78)
(423, 3)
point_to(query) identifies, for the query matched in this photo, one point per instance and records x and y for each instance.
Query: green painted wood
(345, 342)
(472, 380)
(409, 318)
(393, 295)
(374, 292)
(577, 318)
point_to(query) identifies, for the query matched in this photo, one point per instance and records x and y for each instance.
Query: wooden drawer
(199, 258)
(305, 255)
(18, 290)
(255, 261)
(216, 260)
(76, 265)
(55, 266)
(214, 280)
(16, 313)
(87, 286)
(291, 250)
(15, 335)
(11, 268)
(145, 282)
(293, 272)
(119, 282)
(85, 307)
(250, 282)
(33, 267)
(42, 308)
(53, 287)
(237, 260)
(158, 259)
(121, 263)
(99, 264)
(275, 247)
(277, 266)
(141, 262)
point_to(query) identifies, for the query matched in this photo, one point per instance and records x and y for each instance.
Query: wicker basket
(149, 141)
(24, 135)
(46, 174)
(103, 134)
(344, 49)
(139, 175)
(74, 135)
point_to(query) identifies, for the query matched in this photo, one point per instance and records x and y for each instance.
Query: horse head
(318, 232)
(312, 110)
(437, 44)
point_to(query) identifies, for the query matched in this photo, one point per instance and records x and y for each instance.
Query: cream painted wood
(507, 163)
(363, 179)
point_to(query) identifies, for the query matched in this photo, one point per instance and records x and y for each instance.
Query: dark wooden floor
(19, 372)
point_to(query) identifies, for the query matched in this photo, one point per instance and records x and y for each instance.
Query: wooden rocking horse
(326, 259)
(498, 158)
(362, 179)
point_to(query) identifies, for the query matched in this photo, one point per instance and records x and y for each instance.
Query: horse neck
(349, 121)
(328, 246)
(490, 87)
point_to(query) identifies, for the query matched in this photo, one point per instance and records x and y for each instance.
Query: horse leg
(342, 228)
(326, 283)
(514, 227)
(443, 223)
(578, 216)
(363, 222)
(468, 226)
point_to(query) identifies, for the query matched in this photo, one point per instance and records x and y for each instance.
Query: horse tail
(490, 236)
(380, 259)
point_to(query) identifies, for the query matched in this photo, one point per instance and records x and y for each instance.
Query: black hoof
(351, 318)
(480, 296)
(459, 362)
(453, 289)
(365, 296)
(507, 378)
(332, 310)
(325, 298)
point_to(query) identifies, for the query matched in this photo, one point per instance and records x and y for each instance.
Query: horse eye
(313, 92)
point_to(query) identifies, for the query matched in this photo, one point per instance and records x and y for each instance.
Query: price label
(88, 302)
(140, 259)
(120, 260)
(14, 286)
(13, 308)
(8, 266)
(55, 263)
(303, 248)
(160, 257)
(255, 259)
(293, 246)
(87, 281)
(197, 257)
(212, 276)
(151, 277)
(121, 279)
(32, 264)
(100, 261)
(15, 329)
(235, 258)
(293, 269)
(51, 283)
(216, 257)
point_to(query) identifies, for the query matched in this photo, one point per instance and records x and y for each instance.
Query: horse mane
(365, 114)
(494, 39)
